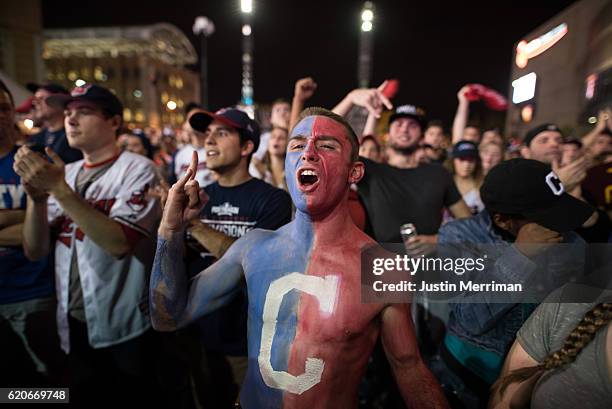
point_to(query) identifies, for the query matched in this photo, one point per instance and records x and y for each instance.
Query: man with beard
(402, 190)
(310, 336)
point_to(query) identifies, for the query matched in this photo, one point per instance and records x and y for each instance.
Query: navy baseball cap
(100, 96)
(465, 149)
(530, 188)
(409, 111)
(233, 117)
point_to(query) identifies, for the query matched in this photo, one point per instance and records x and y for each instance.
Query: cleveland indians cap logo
(80, 91)
(554, 183)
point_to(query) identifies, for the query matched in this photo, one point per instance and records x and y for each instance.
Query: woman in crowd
(491, 154)
(562, 356)
(272, 168)
(467, 172)
(370, 148)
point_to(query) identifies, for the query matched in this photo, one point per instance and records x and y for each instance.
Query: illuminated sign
(527, 50)
(590, 86)
(524, 88)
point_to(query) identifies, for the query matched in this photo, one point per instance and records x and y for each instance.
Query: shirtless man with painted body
(309, 335)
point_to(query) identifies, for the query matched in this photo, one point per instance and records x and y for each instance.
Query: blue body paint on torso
(276, 254)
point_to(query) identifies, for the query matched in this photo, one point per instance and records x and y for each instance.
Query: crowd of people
(218, 265)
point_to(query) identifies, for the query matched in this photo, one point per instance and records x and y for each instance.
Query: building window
(73, 75)
(139, 116)
(127, 114)
(99, 73)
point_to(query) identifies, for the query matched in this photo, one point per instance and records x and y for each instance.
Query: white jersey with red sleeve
(114, 290)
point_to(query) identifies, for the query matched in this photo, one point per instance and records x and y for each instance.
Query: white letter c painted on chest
(324, 289)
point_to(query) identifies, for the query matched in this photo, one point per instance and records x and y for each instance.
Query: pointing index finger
(193, 167)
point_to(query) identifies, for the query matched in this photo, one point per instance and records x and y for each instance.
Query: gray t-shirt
(76, 306)
(586, 382)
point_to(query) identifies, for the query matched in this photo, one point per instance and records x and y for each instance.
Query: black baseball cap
(465, 149)
(573, 141)
(51, 87)
(533, 132)
(530, 189)
(233, 117)
(100, 96)
(409, 111)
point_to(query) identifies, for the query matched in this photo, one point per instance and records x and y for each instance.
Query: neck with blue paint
(327, 226)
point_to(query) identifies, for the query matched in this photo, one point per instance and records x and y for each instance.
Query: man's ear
(116, 122)
(357, 171)
(247, 148)
(525, 152)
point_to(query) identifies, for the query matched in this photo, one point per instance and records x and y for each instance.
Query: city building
(562, 71)
(144, 65)
(20, 45)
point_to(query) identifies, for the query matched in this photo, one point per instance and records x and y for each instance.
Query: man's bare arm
(461, 116)
(416, 383)
(35, 239)
(370, 126)
(304, 89)
(9, 217)
(371, 99)
(103, 230)
(11, 235)
(174, 302)
(214, 241)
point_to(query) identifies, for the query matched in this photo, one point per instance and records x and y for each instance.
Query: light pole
(246, 6)
(364, 64)
(203, 27)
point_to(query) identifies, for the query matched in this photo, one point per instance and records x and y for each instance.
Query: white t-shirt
(182, 160)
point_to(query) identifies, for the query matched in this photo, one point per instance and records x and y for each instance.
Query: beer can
(407, 230)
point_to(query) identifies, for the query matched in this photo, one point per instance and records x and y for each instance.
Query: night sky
(433, 49)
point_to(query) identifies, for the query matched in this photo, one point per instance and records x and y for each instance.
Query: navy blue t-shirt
(234, 211)
(20, 278)
(58, 142)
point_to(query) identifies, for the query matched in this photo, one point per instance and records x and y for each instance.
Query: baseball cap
(51, 87)
(465, 149)
(100, 96)
(233, 117)
(529, 188)
(409, 111)
(573, 141)
(533, 132)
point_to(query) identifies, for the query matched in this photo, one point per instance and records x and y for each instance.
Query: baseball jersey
(114, 290)
(182, 160)
(20, 278)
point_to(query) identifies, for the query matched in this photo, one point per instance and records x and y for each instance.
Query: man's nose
(71, 118)
(209, 139)
(310, 152)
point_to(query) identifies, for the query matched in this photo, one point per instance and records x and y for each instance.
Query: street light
(247, 55)
(246, 6)
(203, 27)
(364, 64)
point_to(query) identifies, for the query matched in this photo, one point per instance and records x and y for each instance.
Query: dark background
(433, 48)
